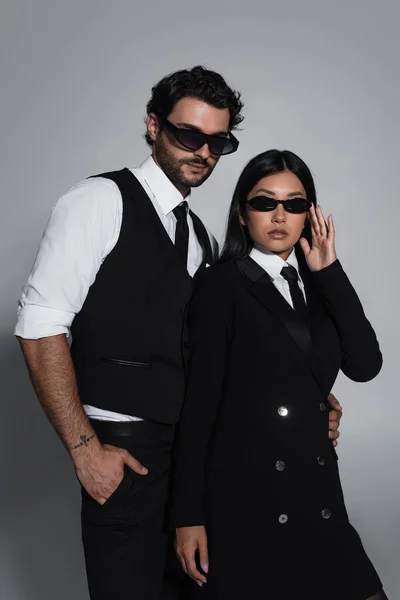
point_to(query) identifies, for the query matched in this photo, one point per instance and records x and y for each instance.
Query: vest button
(326, 513)
(322, 406)
(321, 461)
(282, 411)
(280, 465)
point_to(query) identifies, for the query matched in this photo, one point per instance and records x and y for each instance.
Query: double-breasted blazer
(252, 443)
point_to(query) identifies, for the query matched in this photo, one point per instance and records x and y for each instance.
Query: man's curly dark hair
(200, 83)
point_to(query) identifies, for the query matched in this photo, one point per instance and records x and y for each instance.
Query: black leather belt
(125, 428)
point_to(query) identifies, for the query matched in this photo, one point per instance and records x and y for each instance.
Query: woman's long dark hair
(238, 243)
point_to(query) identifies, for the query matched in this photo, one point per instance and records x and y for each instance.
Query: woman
(258, 506)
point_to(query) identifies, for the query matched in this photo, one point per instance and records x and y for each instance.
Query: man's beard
(172, 166)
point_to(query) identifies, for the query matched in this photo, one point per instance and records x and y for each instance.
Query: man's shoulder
(99, 183)
(89, 197)
(101, 188)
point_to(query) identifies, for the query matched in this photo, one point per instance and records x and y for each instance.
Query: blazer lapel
(265, 292)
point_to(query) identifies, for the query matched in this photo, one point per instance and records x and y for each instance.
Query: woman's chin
(277, 246)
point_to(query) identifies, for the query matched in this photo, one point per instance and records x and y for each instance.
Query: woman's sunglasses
(267, 204)
(193, 140)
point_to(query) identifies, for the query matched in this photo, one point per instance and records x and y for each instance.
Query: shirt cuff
(36, 322)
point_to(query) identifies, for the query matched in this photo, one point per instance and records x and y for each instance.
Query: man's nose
(203, 152)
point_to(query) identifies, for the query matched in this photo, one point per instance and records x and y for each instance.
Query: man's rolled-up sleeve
(82, 229)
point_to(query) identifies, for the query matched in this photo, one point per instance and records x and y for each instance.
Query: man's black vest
(129, 340)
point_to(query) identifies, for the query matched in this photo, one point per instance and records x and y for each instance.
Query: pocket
(123, 489)
(125, 363)
(120, 496)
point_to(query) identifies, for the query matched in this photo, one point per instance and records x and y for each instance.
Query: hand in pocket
(101, 472)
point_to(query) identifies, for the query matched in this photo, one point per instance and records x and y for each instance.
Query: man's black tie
(299, 304)
(182, 231)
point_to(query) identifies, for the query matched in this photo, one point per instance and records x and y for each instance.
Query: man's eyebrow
(194, 128)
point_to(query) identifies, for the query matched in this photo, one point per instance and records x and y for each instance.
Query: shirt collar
(272, 263)
(167, 195)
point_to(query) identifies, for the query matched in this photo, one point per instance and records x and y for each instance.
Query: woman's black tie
(299, 304)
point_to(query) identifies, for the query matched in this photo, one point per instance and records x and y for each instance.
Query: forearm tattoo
(84, 441)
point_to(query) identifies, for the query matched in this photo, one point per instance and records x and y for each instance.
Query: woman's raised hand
(322, 252)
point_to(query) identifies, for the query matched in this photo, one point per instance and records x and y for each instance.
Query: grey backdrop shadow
(41, 555)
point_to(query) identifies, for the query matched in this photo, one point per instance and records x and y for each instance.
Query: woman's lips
(278, 234)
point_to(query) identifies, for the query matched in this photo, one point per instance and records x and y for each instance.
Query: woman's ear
(242, 221)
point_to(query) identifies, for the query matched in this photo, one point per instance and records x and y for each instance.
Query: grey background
(320, 78)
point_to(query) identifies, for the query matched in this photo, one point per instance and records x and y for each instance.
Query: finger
(191, 566)
(321, 222)
(99, 500)
(335, 415)
(331, 228)
(334, 402)
(334, 443)
(305, 246)
(189, 554)
(314, 221)
(194, 573)
(333, 435)
(134, 464)
(203, 552)
(111, 488)
(333, 426)
(182, 561)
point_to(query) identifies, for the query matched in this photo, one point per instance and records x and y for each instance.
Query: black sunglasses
(293, 205)
(193, 140)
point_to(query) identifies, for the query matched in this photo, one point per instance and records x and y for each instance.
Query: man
(115, 267)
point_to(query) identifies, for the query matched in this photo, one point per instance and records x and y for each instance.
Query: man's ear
(153, 126)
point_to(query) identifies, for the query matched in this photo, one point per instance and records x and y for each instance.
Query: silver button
(322, 406)
(283, 518)
(326, 513)
(280, 465)
(282, 411)
(321, 461)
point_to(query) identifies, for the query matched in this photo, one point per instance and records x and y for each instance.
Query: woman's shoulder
(215, 290)
(221, 279)
(218, 277)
